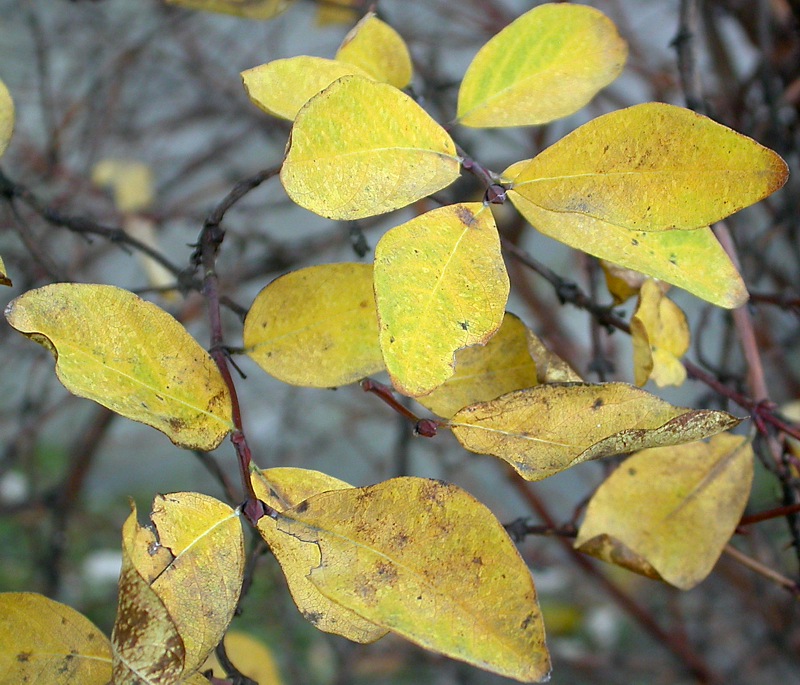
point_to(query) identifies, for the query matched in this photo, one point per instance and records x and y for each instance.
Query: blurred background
(158, 87)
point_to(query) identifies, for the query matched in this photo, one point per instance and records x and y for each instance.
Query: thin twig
(765, 571)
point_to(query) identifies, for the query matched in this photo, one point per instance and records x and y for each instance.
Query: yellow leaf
(651, 167)
(178, 591)
(543, 430)
(283, 86)
(361, 148)
(4, 279)
(484, 372)
(283, 488)
(624, 283)
(675, 508)
(440, 285)
(316, 327)
(545, 65)
(550, 368)
(130, 181)
(425, 559)
(42, 641)
(6, 117)
(692, 260)
(251, 657)
(249, 9)
(660, 335)
(377, 48)
(130, 356)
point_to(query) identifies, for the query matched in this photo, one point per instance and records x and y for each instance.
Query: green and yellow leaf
(440, 285)
(378, 49)
(484, 372)
(114, 348)
(282, 489)
(283, 86)
(6, 117)
(316, 327)
(248, 9)
(178, 590)
(672, 509)
(545, 65)
(361, 148)
(43, 641)
(660, 336)
(426, 560)
(650, 167)
(692, 260)
(546, 429)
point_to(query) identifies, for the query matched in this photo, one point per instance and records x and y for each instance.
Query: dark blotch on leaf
(303, 506)
(598, 403)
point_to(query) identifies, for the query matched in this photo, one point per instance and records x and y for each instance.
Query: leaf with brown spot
(426, 560)
(178, 588)
(670, 512)
(543, 430)
(283, 488)
(43, 641)
(129, 355)
(440, 285)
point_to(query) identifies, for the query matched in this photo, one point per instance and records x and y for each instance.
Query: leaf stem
(426, 428)
(765, 571)
(205, 255)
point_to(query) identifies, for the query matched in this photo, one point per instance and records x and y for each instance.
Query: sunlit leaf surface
(440, 285)
(545, 65)
(362, 148)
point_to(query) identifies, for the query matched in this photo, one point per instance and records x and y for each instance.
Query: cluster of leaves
(418, 557)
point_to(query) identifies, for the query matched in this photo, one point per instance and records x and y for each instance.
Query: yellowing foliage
(251, 657)
(248, 9)
(316, 327)
(674, 508)
(545, 65)
(650, 167)
(6, 117)
(440, 285)
(428, 561)
(283, 86)
(43, 641)
(692, 260)
(178, 591)
(361, 148)
(543, 430)
(550, 368)
(379, 50)
(283, 488)
(660, 336)
(130, 356)
(484, 372)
